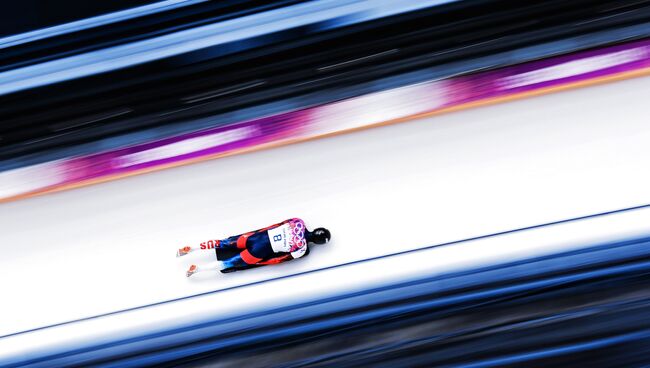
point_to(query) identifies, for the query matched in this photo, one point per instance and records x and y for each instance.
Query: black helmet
(320, 236)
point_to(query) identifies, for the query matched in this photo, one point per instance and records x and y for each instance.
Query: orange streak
(484, 102)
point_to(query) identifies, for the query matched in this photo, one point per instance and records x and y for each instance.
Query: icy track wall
(374, 109)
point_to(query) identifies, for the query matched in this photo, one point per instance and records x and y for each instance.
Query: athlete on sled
(275, 244)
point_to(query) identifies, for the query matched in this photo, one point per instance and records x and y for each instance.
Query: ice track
(111, 246)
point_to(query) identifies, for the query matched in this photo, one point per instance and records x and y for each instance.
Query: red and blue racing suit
(277, 243)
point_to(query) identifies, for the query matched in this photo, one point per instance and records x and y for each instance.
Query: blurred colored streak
(528, 296)
(204, 89)
(320, 15)
(96, 21)
(584, 68)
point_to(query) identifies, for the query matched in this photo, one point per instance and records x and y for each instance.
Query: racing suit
(277, 243)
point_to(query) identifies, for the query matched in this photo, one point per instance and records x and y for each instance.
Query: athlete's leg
(232, 262)
(228, 243)
(212, 266)
(260, 249)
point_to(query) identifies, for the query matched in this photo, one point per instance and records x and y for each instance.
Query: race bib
(280, 238)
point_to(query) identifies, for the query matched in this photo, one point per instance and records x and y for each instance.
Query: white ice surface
(111, 246)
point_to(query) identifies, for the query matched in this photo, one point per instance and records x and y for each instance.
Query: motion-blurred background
(482, 166)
